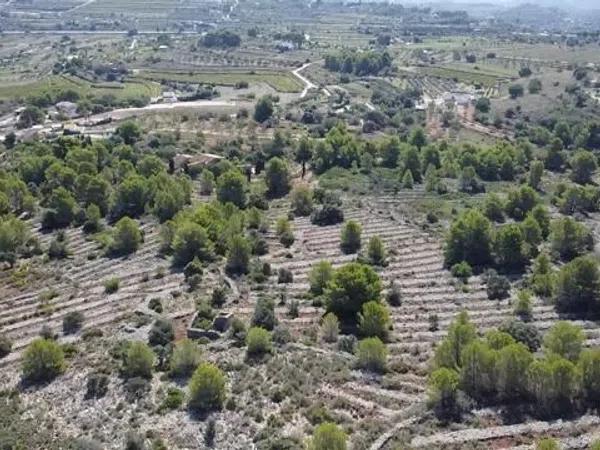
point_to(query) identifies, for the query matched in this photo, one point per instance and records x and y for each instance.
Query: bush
(327, 215)
(570, 239)
(524, 333)
(207, 388)
(264, 314)
(350, 238)
(498, 286)
(238, 256)
(277, 177)
(376, 251)
(469, 239)
(111, 285)
(263, 109)
(258, 341)
(161, 333)
(72, 322)
(578, 287)
(372, 354)
(191, 241)
(97, 385)
(43, 360)
(523, 308)
(5, 345)
(287, 238)
(328, 436)
(330, 328)
(347, 344)
(352, 286)
(565, 340)
(58, 249)
(443, 389)
(173, 400)
(186, 357)
(394, 295)
(139, 361)
(231, 188)
(194, 267)
(547, 444)
(285, 276)
(302, 201)
(126, 238)
(462, 270)
(320, 275)
(374, 320)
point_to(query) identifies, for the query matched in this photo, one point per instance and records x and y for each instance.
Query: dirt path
(308, 85)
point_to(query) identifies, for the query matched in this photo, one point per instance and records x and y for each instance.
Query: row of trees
(359, 63)
(498, 369)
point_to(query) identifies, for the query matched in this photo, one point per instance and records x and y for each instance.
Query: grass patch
(280, 81)
(55, 84)
(111, 285)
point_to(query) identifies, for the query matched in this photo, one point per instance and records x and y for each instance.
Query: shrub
(347, 344)
(97, 385)
(547, 444)
(372, 354)
(374, 320)
(282, 335)
(443, 389)
(155, 305)
(238, 256)
(111, 285)
(126, 238)
(191, 241)
(285, 276)
(498, 286)
(277, 177)
(5, 345)
(570, 239)
(287, 238)
(469, 239)
(320, 275)
(207, 388)
(58, 249)
(589, 366)
(523, 308)
(462, 270)
(231, 188)
(264, 314)
(524, 333)
(350, 238)
(394, 295)
(258, 341)
(186, 357)
(330, 328)
(578, 286)
(302, 201)
(43, 360)
(351, 286)
(218, 297)
(565, 340)
(72, 322)
(139, 361)
(328, 214)
(173, 400)
(376, 251)
(161, 333)
(328, 436)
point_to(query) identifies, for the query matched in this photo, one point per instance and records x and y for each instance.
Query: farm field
(84, 88)
(282, 81)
